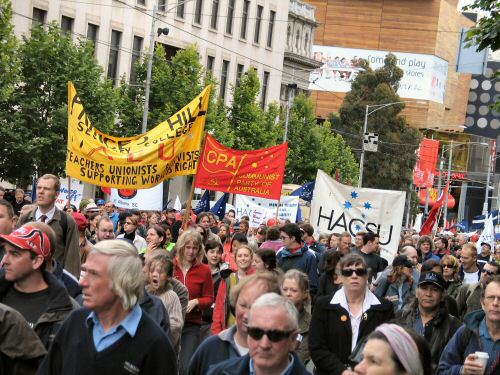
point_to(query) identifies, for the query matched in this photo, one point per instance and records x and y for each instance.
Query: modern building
(424, 35)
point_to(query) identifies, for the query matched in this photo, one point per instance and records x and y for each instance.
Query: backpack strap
(463, 340)
(64, 225)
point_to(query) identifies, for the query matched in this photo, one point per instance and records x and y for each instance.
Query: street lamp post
(488, 175)
(365, 128)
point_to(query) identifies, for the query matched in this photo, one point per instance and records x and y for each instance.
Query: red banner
(258, 173)
(430, 224)
(425, 168)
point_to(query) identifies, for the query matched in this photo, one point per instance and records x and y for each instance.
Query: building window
(270, 28)
(239, 73)
(180, 8)
(66, 25)
(230, 16)
(162, 4)
(258, 21)
(215, 14)
(136, 55)
(141, 2)
(265, 85)
(114, 51)
(244, 19)
(198, 7)
(288, 35)
(92, 34)
(223, 79)
(297, 40)
(210, 64)
(306, 42)
(39, 16)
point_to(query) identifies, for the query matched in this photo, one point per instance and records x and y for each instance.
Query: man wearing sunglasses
(272, 333)
(342, 321)
(469, 295)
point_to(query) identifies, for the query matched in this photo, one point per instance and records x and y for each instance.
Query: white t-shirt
(241, 349)
(470, 277)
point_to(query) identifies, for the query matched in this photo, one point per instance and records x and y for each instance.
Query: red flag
(258, 173)
(425, 168)
(431, 221)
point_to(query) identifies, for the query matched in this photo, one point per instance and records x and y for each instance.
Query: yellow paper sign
(170, 149)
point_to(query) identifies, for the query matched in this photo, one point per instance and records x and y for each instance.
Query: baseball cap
(29, 238)
(170, 209)
(486, 243)
(91, 207)
(432, 278)
(81, 220)
(100, 202)
(402, 260)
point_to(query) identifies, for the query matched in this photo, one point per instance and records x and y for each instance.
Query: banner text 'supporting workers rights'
(170, 149)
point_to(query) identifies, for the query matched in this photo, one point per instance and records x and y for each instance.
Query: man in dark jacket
(27, 287)
(272, 333)
(481, 333)
(428, 316)
(296, 255)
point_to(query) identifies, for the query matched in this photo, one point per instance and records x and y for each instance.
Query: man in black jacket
(428, 316)
(111, 334)
(26, 285)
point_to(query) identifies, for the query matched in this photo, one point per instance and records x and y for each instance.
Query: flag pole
(69, 193)
(187, 214)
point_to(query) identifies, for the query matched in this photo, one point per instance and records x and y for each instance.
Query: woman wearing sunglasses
(338, 324)
(451, 275)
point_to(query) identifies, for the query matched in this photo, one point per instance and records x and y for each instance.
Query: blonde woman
(451, 275)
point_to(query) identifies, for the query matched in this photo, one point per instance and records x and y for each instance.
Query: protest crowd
(97, 289)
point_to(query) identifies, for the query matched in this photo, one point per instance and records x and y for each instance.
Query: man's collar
(129, 324)
(49, 214)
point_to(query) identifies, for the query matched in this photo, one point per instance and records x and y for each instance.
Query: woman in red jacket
(197, 277)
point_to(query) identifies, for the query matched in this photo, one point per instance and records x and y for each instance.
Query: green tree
(253, 127)
(9, 64)
(34, 135)
(486, 33)
(392, 166)
(313, 146)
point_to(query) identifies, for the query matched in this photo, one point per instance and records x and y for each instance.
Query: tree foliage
(313, 146)
(392, 166)
(34, 136)
(8, 60)
(486, 33)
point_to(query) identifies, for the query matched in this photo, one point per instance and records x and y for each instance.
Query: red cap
(80, 219)
(28, 238)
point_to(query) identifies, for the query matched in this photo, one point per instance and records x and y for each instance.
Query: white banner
(424, 75)
(338, 208)
(266, 208)
(75, 195)
(142, 199)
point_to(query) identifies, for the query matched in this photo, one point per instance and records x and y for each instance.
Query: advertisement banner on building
(424, 75)
(260, 209)
(143, 199)
(338, 208)
(170, 149)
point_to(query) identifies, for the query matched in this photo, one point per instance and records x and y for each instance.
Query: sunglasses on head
(347, 272)
(273, 335)
(489, 273)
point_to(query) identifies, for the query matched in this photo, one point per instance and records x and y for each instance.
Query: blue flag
(219, 208)
(478, 221)
(33, 190)
(305, 192)
(204, 203)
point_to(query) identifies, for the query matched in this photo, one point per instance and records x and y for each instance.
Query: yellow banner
(170, 149)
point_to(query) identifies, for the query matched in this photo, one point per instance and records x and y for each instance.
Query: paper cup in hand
(482, 358)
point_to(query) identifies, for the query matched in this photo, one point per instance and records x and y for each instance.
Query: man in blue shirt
(111, 334)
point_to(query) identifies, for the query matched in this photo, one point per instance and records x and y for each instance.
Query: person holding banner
(197, 277)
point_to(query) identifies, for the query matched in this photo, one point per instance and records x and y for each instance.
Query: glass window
(66, 25)
(180, 8)
(270, 29)
(39, 16)
(210, 63)
(215, 14)
(162, 4)
(198, 7)
(230, 16)
(136, 55)
(239, 73)
(265, 85)
(92, 34)
(244, 19)
(258, 21)
(223, 79)
(114, 51)
(141, 2)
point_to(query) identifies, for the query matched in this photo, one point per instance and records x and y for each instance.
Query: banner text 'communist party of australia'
(170, 149)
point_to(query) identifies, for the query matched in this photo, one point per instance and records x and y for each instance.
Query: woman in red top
(197, 277)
